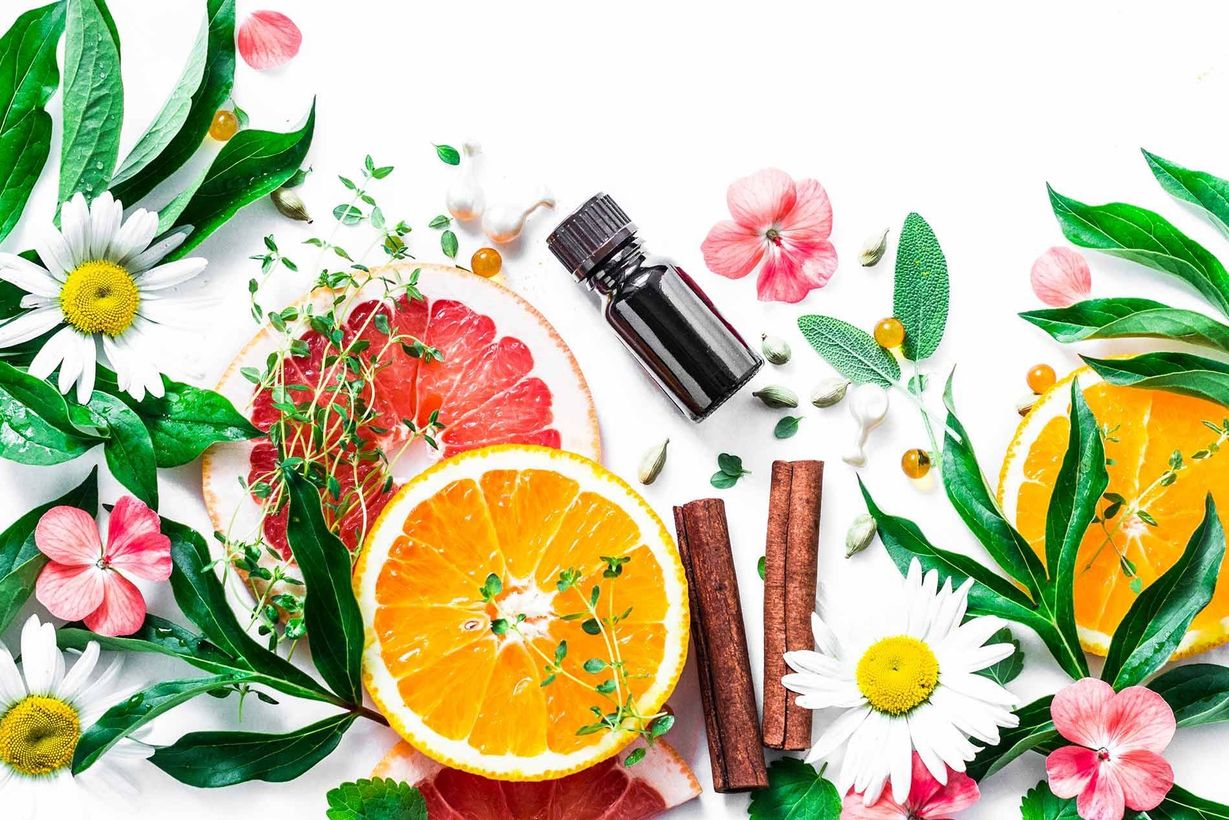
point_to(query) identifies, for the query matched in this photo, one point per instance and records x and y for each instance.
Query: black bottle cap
(589, 235)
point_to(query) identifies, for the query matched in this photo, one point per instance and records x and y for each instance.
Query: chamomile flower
(911, 688)
(44, 711)
(101, 284)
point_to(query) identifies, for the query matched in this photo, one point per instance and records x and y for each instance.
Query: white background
(961, 113)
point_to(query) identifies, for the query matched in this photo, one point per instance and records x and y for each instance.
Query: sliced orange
(1142, 430)
(473, 693)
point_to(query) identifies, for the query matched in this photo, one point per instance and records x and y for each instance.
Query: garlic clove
(504, 223)
(869, 407)
(465, 199)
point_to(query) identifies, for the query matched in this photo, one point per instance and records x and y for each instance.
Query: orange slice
(1143, 428)
(476, 696)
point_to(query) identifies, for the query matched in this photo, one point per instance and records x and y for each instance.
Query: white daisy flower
(103, 284)
(911, 688)
(44, 710)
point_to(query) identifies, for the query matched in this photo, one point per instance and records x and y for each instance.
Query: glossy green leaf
(921, 293)
(213, 759)
(251, 166)
(128, 450)
(796, 791)
(334, 623)
(1144, 237)
(35, 427)
(1157, 620)
(1123, 318)
(1198, 692)
(1180, 804)
(1207, 192)
(851, 350)
(210, 95)
(377, 798)
(1039, 803)
(1035, 732)
(93, 100)
(29, 76)
(1182, 373)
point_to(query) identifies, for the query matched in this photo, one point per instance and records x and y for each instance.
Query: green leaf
(1122, 318)
(1008, 669)
(28, 77)
(1144, 237)
(376, 799)
(35, 427)
(1198, 692)
(1182, 373)
(1201, 189)
(730, 464)
(251, 166)
(1036, 731)
(334, 623)
(1039, 803)
(1157, 620)
(93, 100)
(212, 759)
(128, 450)
(851, 350)
(1180, 804)
(448, 244)
(921, 294)
(795, 792)
(131, 714)
(786, 427)
(448, 154)
(210, 95)
(20, 558)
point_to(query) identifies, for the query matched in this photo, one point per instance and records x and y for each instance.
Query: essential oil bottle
(662, 316)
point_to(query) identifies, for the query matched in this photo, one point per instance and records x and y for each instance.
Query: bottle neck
(625, 260)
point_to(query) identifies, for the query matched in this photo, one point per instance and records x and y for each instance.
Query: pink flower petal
(1079, 712)
(268, 39)
(1138, 718)
(788, 275)
(122, 610)
(923, 786)
(762, 200)
(148, 557)
(1145, 777)
(1103, 799)
(68, 535)
(1061, 277)
(885, 808)
(70, 592)
(960, 793)
(1070, 770)
(130, 519)
(812, 211)
(732, 251)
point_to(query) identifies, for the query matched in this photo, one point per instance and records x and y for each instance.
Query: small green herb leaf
(795, 790)
(786, 427)
(851, 350)
(761, 567)
(376, 799)
(448, 154)
(1039, 803)
(1010, 667)
(448, 244)
(920, 298)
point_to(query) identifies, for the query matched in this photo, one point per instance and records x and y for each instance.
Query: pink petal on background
(130, 519)
(1138, 718)
(1061, 277)
(762, 199)
(812, 211)
(1145, 777)
(960, 793)
(788, 275)
(70, 592)
(1079, 711)
(122, 610)
(732, 251)
(1103, 799)
(68, 535)
(1070, 769)
(268, 39)
(147, 557)
(885, 808)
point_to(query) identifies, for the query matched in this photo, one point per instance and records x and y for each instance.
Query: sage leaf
(1182, 373)
(1145, 237)
(1180, 804)
(377, 798)
(28, 77)
(1124, 317)
(1207, 192)
(1198, 693)
(921, 291)
(211, 94)
(1158, 618)
(93, 100)
(796, 791)
(128, 450)
(1040, 803)
(1036, 731)
(213, 759)
(448, 155)
(851, 350)
(35, 427)
(334, 623)
(1008, 669)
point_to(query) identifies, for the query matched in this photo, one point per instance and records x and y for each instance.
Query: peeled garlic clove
(776, 396)
(861, 533)
(775, 350)
(464, 198)
(1060, 277)
(653, 461)
(504, 223)
(829, 392)
(873, 250)
(869, 407)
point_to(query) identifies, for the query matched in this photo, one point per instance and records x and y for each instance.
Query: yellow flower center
(38, 735)
(100, 297)
(897, 674)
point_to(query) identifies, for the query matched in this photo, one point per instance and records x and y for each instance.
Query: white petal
(804, 660)
(29, 325)
(52, 353)
(975, 632)
(172, 273)
(70, 367)
(12, 688)
(89, 371)
(105, 217)
(134, 236)
(962, 661)
(921, 745)
(74, 225)
(30, 300)
(55, 253)
(136, 372)
(41, 662)
(79, 675)
(825, 638)
(944, 620)
(899, 751)
(28, 276)
(837, 733)
(97, 697)
(152, 255)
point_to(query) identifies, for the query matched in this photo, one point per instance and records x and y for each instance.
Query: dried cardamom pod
(775, 350)
(829, 392)
(1026, 403)
(873, 250)
(290, 205)
(861, 533)
(652, 462)
(776, 396)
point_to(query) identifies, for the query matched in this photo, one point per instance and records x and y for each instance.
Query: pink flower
(928, 798)
(268, 39)
(1060, 277)
(86, 580)
(782, 223)
(1117, 761)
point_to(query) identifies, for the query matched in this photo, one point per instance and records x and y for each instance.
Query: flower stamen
(897, 674)
(100, 297)
(39, 735)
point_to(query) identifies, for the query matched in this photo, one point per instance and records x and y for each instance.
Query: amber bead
(915, 463)
(889, 333)
(224, 126)
(486, 262)
(1041, 378)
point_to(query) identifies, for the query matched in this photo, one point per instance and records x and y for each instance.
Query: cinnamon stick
(727, 694)
(791, 554)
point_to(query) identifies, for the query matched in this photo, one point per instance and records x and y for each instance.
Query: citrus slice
(1142, 430)
(463, 584)
(607, 791)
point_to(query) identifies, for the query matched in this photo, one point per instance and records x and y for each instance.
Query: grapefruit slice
(607, 791)
(1143, 429)
(479, 650)
(505, 376)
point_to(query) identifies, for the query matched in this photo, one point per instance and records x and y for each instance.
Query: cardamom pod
(861, 533)
(652, 462)
(774, 395)
(873, 250)
(829, 392)
(290, 205)
(1026, 403)
(775, 350)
